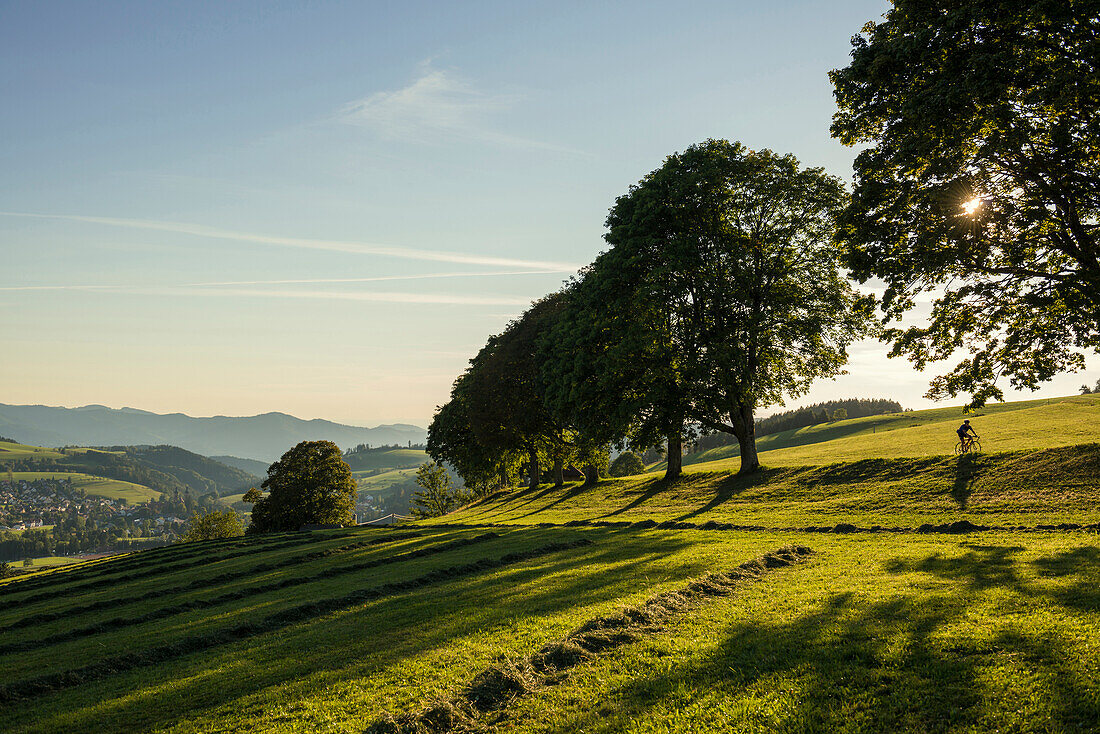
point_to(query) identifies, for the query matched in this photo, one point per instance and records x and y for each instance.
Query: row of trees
(721, 292)
(723, 289)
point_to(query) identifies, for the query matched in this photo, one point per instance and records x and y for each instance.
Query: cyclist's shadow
(967, 469)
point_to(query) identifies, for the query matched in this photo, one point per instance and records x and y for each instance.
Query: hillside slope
(1030, 424)
(160, 469)
(709, 604)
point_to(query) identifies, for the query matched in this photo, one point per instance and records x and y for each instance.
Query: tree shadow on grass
(907, 663)
(347, 646)
(731, 486)
(508, 499)
(848, 673)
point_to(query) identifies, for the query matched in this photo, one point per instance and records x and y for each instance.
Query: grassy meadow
(441, 625)
(1030, 424)
(96, 486)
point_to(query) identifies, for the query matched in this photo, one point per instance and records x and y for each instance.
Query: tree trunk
(591, 475)
(533, 468)
(674, 456)
(744, 428)
(503, 477)
(559, 472)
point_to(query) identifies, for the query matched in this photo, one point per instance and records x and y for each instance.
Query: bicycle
(968, 446)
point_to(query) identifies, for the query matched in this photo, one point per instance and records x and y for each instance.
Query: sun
(972, 206)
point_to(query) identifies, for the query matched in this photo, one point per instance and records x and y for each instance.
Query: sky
(325, 208)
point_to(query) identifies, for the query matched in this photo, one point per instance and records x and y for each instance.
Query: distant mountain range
(265, 437)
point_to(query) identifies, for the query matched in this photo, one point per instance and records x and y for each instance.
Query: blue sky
(324, 208)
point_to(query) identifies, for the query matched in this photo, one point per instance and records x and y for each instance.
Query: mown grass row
(41, 685)
(196, 585)
(155, 569)
(117, 564)
(495, 687)
(111, 625)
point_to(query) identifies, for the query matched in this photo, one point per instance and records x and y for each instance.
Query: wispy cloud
(220, 287)
(204, 290)
(426, 298)
(360, 248)
(439, 106)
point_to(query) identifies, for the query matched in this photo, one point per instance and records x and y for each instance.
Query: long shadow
(567, 494)
(535, 494)
(968, 468)
(886, 666)
(841, 654)
(730, 487)
(381, 634)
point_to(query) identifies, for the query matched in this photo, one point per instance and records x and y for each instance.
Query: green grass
(386, 480)
(391, 459)
(48, 562)
(1016, 488)
(20, 532)
(877, 632)
(96, 486)
(18, 451)
(1031, 424)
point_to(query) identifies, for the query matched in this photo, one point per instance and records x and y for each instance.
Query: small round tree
(627, 464)
(310, 484)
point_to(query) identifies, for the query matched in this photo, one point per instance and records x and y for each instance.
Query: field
(1031, 424)
(388, 459)
(49, 562)
(96, 486)
(708, 604)
(17, 451)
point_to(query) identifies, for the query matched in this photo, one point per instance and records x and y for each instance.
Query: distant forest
(802, 417)
(366, 448)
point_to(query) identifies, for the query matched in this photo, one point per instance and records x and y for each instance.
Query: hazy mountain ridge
(263, 437)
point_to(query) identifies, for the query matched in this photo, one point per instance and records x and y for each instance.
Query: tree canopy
(310, 484)
(979, 183)
(436, 496)
(214, 524)
(725, 273)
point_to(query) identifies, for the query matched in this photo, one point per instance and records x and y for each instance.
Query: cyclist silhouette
(966, 435)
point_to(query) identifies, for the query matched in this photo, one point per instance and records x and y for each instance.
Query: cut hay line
(172, 565)
(143, 558)
(193, 586)
(111, 625)
(492, 689)
(42, 685)
(950, 528)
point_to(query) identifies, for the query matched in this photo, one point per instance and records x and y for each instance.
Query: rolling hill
(1028, 424)
(155, 469)
(883, 594)
(264, 437)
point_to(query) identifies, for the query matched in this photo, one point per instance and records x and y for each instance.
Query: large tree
(732, 276)
(451, 439)
(610, 368)
(979, 183)
(310, 484)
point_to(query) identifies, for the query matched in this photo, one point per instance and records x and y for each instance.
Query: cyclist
(965, 432)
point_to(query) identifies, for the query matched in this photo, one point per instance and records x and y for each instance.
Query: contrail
(360, 248)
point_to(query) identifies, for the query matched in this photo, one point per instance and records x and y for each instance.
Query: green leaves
(967, 99)
(310, 484)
